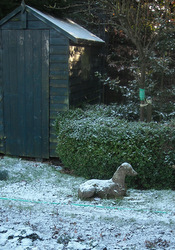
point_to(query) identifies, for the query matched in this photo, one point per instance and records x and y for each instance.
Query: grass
(44, 182)
(55, 210)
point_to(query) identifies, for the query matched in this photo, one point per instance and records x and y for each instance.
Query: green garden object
(142, 94)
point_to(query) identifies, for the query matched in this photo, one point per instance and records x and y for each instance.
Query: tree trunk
(142, 87)
(142, 111)
(149, 110)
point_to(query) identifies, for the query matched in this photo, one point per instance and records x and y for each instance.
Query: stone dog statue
(113, 188)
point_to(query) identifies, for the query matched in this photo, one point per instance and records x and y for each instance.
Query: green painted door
(26, 92)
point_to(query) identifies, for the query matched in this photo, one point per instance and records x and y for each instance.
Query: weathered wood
(59, 96)
(59, 66)
(59, 75)
(24, 20)
(8, 95)
(29, 93)
(37, 83)
(10, 16)
(59, 72)
(1, 42)
(20, 104)
(31, 17)
(53, 115)
(58, 58)
(1, 100)
(59, 50)
(59, 99)
(36, 25)
(58, 83)
(45, 94)
(41, 75)
(53, 150)
(59, 41)
(59, 91)
(60, 107)
(1, 106)
(55, 34)
(26, 93)
(11, 26)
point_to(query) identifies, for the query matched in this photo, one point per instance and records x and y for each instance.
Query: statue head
(128, 169)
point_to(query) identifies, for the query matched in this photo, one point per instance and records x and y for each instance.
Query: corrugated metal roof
(70, 29)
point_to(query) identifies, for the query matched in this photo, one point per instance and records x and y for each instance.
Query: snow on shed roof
(70, 29)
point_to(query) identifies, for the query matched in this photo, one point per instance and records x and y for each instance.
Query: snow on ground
(40, 209)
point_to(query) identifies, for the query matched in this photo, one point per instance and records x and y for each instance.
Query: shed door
(26, 92)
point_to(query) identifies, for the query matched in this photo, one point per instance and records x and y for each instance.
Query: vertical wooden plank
(37, 61)
(0, 39)
(10, 87)
(36, 93)
(41, 93)
(28, 97)
(13, 94)
(5, 75)
(24, 20)
(45, 93)
(15, 73)
(23, 16)
(1, 100)
(11, 114)
(21, 107)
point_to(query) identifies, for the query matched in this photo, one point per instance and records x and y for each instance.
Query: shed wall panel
(59, 82)
(31, 23)
(58, 58)
(58, 50)
(35, 25)
(12, 26)
(1, 101)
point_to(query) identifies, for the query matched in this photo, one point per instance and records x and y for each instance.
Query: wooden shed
(46, 65)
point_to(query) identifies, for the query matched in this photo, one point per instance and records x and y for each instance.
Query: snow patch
(56, 219)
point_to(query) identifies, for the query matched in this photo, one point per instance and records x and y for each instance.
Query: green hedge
(94, 142)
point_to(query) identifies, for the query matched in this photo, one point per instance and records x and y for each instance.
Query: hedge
(94, 142)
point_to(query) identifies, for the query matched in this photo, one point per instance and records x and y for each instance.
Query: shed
(46, 65)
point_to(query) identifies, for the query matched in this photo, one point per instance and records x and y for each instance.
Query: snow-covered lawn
(40, 209)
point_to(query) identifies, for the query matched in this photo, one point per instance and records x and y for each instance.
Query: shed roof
(67, 27)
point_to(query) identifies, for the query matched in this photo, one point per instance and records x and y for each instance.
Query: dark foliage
(93, 143)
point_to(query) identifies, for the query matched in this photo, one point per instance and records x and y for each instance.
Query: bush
(94, 142)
